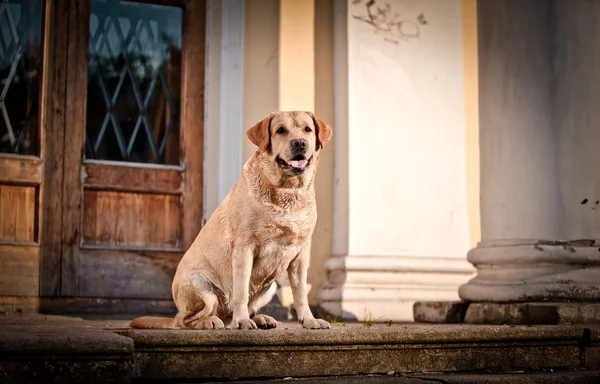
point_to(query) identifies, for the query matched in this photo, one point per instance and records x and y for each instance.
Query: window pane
(20, 74)
(134, 82)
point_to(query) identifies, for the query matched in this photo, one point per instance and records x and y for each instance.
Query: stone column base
(507, 313)
(384, 288)
(534, 271)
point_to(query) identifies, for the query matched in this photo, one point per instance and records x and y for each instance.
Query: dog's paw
(315, 324)
(264, 321)
(208, 322)
(243, 324)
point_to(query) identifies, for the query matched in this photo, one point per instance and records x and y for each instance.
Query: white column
(296, 85)
(401, 228)
(297, 55)
(539, 153)
(577, 116)
(224, 132)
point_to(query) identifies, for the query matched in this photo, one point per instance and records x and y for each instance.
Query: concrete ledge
(87, 351)
(21, 340)
(66, 370)
(42, 354)
(351, 350)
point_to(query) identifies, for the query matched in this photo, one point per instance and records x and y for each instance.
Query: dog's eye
(307, 129)
(280, 130)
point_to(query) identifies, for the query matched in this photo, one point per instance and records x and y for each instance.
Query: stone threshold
(534, 313)
(114, 308)
(67, 350)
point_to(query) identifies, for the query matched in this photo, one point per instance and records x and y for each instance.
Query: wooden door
(22, 118)
(133, 145)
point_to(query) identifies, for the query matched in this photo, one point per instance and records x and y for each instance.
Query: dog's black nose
(299, 145)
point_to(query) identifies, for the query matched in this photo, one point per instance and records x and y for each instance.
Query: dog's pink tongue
(298, 163)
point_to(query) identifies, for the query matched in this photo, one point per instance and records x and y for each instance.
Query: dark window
(20, 74)
(134, 82)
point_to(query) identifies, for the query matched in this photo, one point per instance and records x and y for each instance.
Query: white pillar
(577, 116)
(401, 226)
(539, 153)
(224, 69)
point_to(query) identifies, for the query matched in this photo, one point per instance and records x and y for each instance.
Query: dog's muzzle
(296, 165)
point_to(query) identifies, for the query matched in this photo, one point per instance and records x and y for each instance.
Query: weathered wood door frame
(26, 178)
(62, 238)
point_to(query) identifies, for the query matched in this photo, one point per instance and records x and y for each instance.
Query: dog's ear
(324, 131)
(260, 134)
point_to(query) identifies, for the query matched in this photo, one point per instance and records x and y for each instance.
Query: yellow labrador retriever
(261, 229)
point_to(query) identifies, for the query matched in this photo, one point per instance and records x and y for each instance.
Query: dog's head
(292, 140)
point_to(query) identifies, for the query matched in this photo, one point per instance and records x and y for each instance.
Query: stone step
(98, 352)
(63, 354)
(356, 350)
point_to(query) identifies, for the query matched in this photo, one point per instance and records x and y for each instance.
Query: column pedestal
(525, 271)
(525, 282)
(385, 288)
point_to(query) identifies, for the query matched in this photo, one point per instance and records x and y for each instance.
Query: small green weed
(337, 321)
(368, 319)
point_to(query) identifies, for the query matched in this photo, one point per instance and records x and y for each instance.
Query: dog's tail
(147, 322)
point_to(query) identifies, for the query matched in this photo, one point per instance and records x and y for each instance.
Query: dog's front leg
(242, 267)
(297, 273)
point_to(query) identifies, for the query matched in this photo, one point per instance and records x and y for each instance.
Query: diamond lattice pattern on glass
(20, 74)
(134, 82)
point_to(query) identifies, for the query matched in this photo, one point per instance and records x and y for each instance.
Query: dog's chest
(281, 239)
(273, 255)
(271, 261)
(283, 228)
